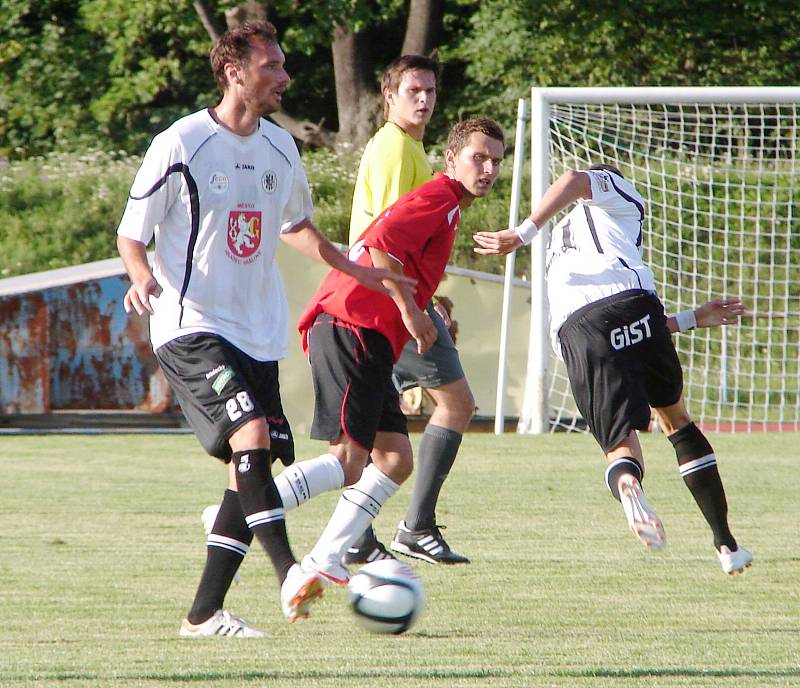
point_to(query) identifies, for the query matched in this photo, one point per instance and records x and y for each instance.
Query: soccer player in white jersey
(610, 328)
(217, 190)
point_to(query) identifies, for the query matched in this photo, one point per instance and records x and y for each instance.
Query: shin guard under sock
(698, 467)
(262, 507)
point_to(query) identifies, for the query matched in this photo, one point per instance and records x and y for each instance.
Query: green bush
(63, 209)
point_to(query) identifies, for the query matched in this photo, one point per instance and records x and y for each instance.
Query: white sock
(301, 481)
(358, 505)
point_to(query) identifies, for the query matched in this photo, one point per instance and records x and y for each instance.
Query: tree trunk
(422, 27)
(357, 100)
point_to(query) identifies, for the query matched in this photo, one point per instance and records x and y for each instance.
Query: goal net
(718, 169)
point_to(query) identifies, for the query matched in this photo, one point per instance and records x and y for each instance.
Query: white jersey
(217, 203)
(596, 250)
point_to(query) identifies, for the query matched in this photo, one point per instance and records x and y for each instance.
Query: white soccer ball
(386, 596)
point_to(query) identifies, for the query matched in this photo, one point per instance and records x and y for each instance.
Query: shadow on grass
(206, 676)
(678, 671)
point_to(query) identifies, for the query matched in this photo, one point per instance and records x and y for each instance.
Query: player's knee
(254, 433)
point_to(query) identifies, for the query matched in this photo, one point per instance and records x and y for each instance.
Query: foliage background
(85, 84)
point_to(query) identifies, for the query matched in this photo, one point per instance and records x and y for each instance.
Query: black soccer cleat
(372, 551)
(428, 545)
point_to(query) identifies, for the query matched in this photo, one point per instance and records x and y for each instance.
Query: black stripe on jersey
(592, 228)
(638, 205)
(288, 162)
(194, 205)
(632, 270)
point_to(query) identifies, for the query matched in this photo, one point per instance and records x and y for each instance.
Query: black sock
(437, 452)
(228, 544)
(698, 467)
(619, 467)
(262, 507)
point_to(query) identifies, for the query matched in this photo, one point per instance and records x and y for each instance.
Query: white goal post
(719, 169)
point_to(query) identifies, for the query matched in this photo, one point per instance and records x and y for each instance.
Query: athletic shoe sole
(642, 520)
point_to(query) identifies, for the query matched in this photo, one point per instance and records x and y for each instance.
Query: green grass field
(101, 548)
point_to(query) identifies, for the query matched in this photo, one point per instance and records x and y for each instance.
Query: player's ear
(449, 160)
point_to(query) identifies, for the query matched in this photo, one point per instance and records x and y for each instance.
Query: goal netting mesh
(721, 186)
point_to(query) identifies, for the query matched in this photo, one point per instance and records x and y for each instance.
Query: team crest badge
(269, 181)
(244, 232)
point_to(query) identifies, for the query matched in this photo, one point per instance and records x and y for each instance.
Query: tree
(350, 29)
(607, 43)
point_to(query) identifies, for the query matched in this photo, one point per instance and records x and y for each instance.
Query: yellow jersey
(393, 164)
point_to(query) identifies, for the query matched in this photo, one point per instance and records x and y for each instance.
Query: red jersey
(418, 230)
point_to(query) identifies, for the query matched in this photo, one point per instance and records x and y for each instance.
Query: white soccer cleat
(299, 591)
(224, 624)
(208, 517)
(642, 520)
(736, 561)
(331, 570)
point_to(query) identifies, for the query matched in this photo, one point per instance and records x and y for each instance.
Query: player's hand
(443, 314)
(720, 312)
(496, 243)
(373, 278)
(138, 296)
(422, 329)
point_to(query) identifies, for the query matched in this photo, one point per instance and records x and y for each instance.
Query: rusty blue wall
(73, 347)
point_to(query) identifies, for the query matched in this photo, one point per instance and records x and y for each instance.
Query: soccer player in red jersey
(353, 336)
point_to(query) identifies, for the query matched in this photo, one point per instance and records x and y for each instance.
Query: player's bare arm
(417, 322)
(715, 313)
(566, 190)
(308, 240)
(143, 284)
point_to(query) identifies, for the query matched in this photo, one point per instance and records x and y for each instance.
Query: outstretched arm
(718, 312)
(564, 191)
(309, 241)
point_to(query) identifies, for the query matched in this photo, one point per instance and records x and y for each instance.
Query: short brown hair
(393, 72)
(461, 131)
(234, 46)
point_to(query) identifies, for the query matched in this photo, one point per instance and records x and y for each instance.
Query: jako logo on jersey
(269, 181)
(218, 183)
(244, 232)
(244, 463)
(630, 334)
(245, 166)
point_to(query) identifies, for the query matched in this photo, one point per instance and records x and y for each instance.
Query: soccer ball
(386, 596)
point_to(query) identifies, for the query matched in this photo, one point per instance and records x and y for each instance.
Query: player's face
(263, 78)
(412, 106)
(477, 164)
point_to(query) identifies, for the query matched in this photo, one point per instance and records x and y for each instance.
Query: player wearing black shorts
(393, 163)
(610, 328)
(217, 190)
(352, 338)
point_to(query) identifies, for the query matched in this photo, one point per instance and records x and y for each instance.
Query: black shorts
(220, 388)
(438, 366)
(353, 392)
(620, 361)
